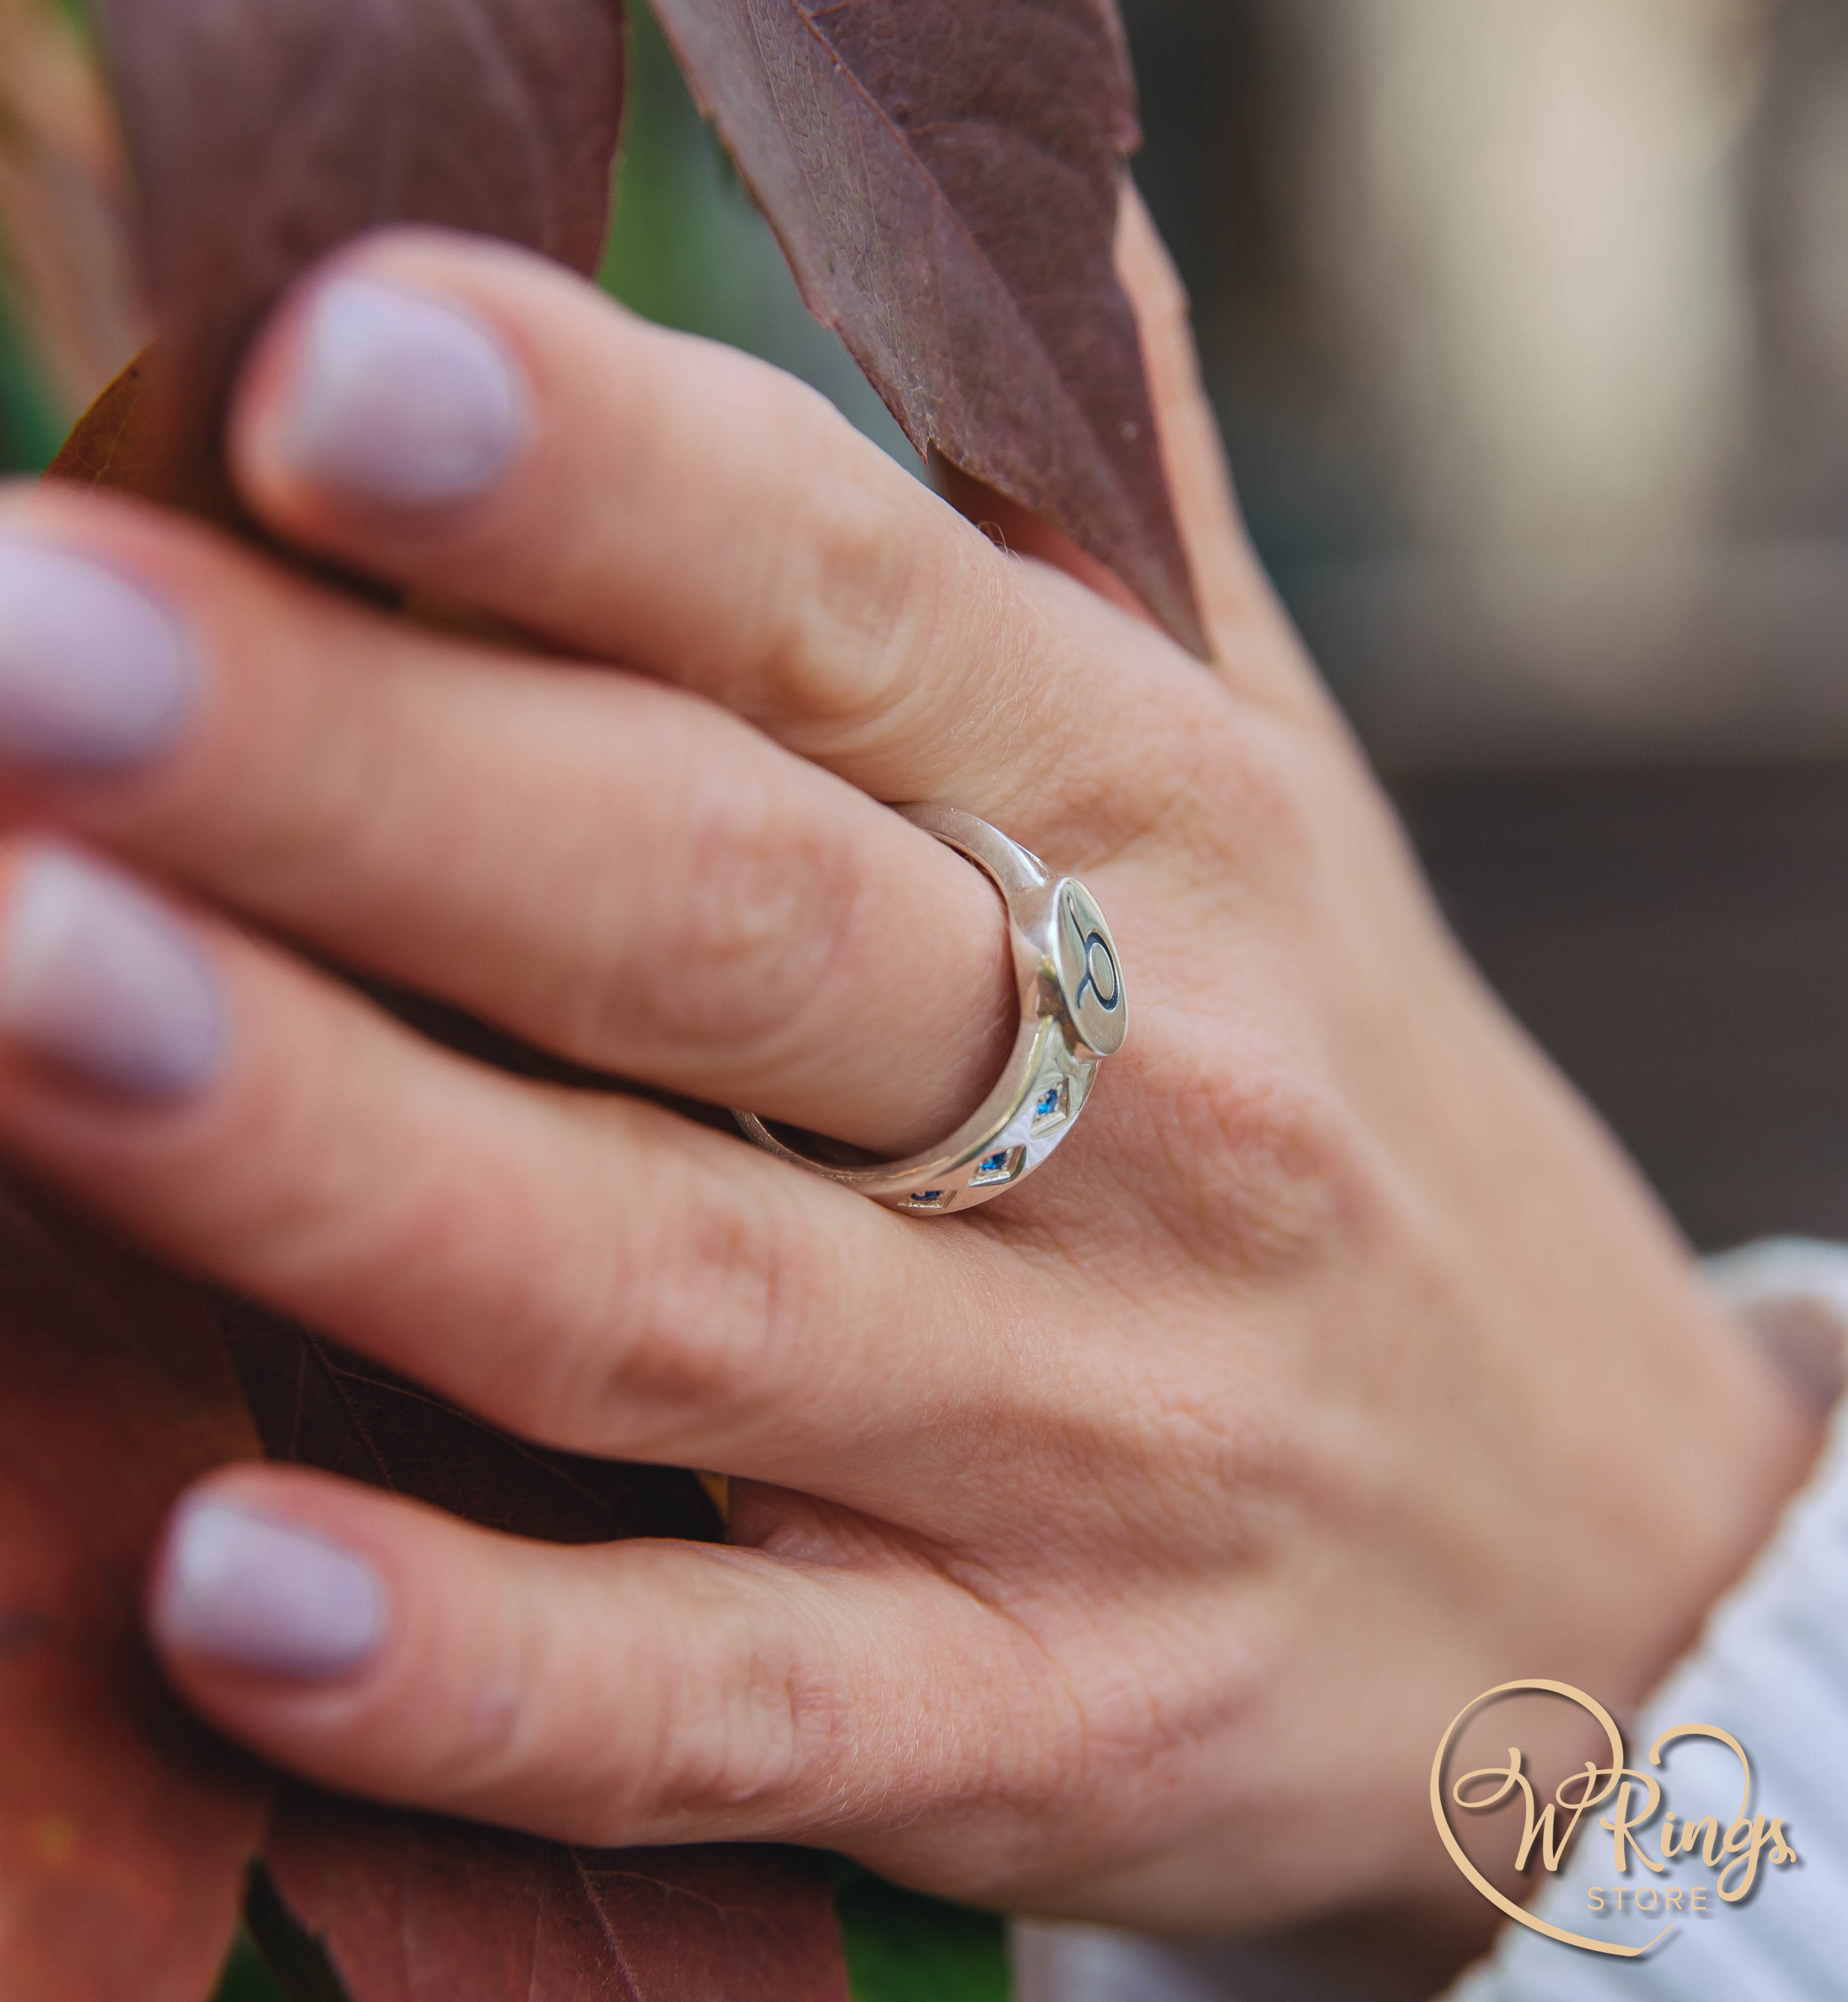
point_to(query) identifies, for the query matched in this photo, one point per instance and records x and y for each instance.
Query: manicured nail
(401, 400)
(258, 1593)
(92, 673)
(97, 977)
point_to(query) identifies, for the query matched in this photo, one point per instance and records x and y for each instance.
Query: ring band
(1074, 1012)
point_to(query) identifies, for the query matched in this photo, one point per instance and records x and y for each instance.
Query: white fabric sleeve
(1772, 1666)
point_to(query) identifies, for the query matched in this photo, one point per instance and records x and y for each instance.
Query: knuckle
(748, 930)
(1272, 1163)
(278, 1180)
(701, 1312)
(1264, 799)
(845, 603)
(750, 1740)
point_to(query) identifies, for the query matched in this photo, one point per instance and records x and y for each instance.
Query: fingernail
(401, 399)
(258, 1593)
(93, 673)
(96, 977)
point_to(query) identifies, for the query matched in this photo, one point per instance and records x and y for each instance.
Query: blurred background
(1527, 321)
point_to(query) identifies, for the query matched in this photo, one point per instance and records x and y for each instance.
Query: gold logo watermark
(1733, 1853)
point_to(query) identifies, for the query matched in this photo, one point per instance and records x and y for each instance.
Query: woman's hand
(1121, 1549)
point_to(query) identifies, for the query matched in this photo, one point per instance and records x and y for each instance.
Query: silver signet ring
(1074, 1013)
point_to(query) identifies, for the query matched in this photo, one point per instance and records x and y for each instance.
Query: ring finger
(585, 1269)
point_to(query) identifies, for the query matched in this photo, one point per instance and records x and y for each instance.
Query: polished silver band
(1074, 1012)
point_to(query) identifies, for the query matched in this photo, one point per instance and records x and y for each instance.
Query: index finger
(466, 419)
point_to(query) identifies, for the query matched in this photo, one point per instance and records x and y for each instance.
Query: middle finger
(621, 872)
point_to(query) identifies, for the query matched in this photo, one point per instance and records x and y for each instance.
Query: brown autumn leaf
(123, 1826)
(263, 133)
(109, 446)
(410, 1910)
(120, 445)
(945, 179)
(320, 1405)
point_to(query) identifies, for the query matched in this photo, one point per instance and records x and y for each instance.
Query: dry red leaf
(409, 1910)
(263, 133)
(320, 1405)
(123, 1826)
(946, 180)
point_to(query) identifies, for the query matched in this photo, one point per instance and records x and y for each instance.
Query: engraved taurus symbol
(1100, 975)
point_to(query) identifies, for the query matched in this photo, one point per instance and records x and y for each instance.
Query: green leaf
(902, 1946)
(29, 427)
(302, 1971)
(247, 1977)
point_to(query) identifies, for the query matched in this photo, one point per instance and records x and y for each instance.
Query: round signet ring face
(1090, 976)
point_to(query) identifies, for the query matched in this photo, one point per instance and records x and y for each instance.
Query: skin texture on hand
(1121, 1550)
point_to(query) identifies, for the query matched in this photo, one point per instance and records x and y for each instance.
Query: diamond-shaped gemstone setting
(1053, 1106)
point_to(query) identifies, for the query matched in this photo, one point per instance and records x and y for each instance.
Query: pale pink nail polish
(93, 674)
(99, 977)
(254, 1591)
(400, 400)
